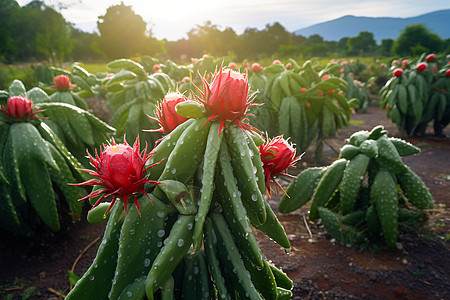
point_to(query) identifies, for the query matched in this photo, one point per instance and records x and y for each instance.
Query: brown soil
(321, 269)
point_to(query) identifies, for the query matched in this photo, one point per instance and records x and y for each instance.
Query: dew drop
(146, 262)
(180, 243)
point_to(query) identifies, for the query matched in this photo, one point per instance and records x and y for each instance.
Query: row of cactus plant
(306, 103)
(365, 195)
(180, 222)
(417, 93)
(43, 145)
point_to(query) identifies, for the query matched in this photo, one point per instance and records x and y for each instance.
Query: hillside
(381, 27)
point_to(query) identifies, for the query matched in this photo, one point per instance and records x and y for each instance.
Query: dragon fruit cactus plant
(35, 167)
(201, 189)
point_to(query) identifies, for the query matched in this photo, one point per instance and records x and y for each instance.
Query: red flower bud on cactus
(186, 79)
(430, 57)
(120, 170)
(245, 63)
(421, 66)
(232, 65)
(447, 73)
(277, 155)
(387, 107)
(166, 114)
(156, 67)
(308, 105)
(256, 67)
(325, 77)
(404, 63)
(394, 62)
(341, 71)
(330, 92)
(62, 83)
(303, 90)
(227, 98)
(397, 72)
(288, 65)
(20, 107)
(276, 62)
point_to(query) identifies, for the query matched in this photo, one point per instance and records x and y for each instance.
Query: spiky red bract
(62, 83)
(277, 155)
(20, 107)
(227, 98)
(120, 170)
(166, 115)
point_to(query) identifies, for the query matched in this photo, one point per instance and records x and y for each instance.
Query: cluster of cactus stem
(193, 237)
(366, 194)
(37, 160)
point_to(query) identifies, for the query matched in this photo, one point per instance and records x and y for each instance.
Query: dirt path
(320, 268)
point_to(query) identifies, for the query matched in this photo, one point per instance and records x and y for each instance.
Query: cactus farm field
(418, 267)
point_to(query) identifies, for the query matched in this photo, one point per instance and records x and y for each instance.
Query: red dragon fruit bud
(256, 67)
(62, 83)
(166, 114)
(397, 72)
(421, 66)
(20, 107)
(277, 155)
(430, 57)
(227, 98)
(232, 65)
(120, 170)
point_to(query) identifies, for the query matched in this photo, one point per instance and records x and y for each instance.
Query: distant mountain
(382, 27)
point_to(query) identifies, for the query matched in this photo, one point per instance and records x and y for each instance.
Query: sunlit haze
(173, 19)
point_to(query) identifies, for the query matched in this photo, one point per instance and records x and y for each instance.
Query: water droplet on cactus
(160, 214)
(189, 226)
(129, 294)
(131, 231)
(146, 262)
(173, 171)
(196, 270)
(92, 278)
(180, 243)
(161, 233)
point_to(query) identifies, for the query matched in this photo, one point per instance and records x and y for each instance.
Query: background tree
(362, 44)
(417, 38)
(385, 48)
(122, 32)
(8, 47)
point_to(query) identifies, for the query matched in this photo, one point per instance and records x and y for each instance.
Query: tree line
(38, 31)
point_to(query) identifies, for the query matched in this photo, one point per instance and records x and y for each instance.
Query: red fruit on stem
(404, 63)
(421, 66)
(277, 155)
(256, 67)
(430, 57)
(120, 170)
(227, 98)
(166, 115)
(232, 65)
(20, 107)
(62, 83)
(447, 73)
(397, 72)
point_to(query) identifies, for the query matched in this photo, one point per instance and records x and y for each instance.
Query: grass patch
(356, 122)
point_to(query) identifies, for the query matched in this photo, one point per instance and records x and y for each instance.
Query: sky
(172, 19)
